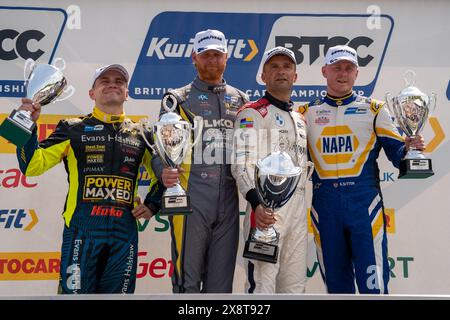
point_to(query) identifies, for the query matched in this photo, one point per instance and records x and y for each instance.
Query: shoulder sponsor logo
(26, 32)
(24, 219)
(98, 127)
(166, 51)
(29, 266)
(355, 110)
(231, 104)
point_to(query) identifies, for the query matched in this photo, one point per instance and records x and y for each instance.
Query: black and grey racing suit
(205, 243)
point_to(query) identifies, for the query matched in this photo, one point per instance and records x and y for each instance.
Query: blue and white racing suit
(345, 137)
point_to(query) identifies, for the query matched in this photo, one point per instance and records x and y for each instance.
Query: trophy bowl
(276, 178)
(172, 136)
(411, 109)
(44, 85)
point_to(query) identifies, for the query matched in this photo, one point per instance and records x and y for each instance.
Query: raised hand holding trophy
(276, 178)
(172, 138)
(411, 109)
(43, 85)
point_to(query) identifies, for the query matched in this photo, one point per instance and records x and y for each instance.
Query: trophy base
(415, 169)
(175, 205)
(261, 251)
(17, 128)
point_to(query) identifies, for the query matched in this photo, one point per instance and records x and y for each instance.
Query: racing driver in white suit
(262, 127)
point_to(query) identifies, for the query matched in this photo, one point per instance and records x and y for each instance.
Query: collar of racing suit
(340, 101)
(203, 86)
(283, 105)
(106, 117)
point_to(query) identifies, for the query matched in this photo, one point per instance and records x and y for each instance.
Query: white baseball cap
(277, 51)
(117, 67)
(338, 53)
(210, 40)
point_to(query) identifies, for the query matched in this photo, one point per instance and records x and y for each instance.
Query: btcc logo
(337, 144)
(315, 43)
(114, 188)
(26, 33)
(21, 41)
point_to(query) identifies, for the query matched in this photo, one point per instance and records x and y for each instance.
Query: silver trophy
(43, 84)
(172, 138)
(411, 109)
(276, 178)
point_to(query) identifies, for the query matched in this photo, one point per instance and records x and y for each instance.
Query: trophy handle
(66, 94)
(433, 102)
(164, 102)
(388, 99)
(30, 64)
(410, 78)
(390, 104)
(58, 61)
(309, 169)
(142, 129)
(198, 129)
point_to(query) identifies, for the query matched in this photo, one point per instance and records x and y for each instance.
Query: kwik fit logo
(26, 32)
(165, 58)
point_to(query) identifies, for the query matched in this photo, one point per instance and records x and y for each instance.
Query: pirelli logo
(114, 188)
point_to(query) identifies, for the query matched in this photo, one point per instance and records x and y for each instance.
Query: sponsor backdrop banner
(154, 41)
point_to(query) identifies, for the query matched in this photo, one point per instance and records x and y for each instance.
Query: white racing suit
(262, 127)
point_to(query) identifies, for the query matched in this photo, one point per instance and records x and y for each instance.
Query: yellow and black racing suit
(102, 154)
